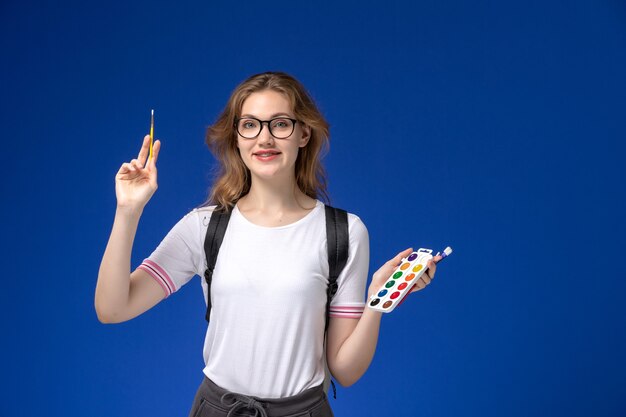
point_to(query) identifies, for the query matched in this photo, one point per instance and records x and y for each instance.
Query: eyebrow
(271, 117)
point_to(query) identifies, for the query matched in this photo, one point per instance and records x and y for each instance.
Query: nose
(264, 135)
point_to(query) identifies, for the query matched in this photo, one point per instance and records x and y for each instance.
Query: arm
(351, 343)
(121, 295)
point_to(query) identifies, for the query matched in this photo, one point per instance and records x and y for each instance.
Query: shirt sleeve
(349, 302)
(178, 258)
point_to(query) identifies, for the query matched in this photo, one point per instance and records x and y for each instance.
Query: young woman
(264, 349)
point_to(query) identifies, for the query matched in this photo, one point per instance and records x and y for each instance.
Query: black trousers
(213, 401)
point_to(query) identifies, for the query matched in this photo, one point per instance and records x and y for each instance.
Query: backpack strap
(212, 242)
(337, 243)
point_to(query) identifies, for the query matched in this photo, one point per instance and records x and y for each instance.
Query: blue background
(494, 127)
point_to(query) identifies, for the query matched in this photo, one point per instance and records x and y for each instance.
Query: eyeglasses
(279, 127)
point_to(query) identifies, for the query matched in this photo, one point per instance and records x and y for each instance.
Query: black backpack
(337, 239)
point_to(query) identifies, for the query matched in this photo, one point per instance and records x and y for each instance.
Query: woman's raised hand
(136, 181)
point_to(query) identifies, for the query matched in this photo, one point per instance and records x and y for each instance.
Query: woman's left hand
(385, 271)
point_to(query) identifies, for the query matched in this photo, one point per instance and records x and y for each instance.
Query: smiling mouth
(266, 154)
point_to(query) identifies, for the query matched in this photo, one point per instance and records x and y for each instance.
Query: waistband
(261, 407)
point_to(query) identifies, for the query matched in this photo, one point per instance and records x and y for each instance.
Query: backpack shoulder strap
(337, 242)
(212, 241)
(338, 246)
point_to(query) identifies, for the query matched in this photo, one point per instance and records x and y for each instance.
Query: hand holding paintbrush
(136, 181)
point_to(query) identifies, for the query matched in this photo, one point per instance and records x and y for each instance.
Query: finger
(415, 289)
(420, 284)
(144, 151)
(126, 169)
(135, 164)
(156, 147)
(432, 268)
(398, 258)
(437, 258)
(426, 279)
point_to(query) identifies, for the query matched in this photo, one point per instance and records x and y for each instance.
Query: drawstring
(242, 402)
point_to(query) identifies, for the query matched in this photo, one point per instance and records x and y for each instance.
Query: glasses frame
(269, 126)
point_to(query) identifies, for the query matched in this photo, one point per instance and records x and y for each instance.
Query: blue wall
(496, 128)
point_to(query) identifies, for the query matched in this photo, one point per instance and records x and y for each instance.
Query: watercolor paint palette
(401, 281)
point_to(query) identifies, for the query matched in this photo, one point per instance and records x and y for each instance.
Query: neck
(274, 195)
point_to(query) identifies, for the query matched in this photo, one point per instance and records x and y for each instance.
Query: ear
(306, 135)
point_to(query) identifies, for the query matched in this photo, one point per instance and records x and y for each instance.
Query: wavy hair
(233, 178)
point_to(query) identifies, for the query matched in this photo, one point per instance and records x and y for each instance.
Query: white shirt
(266, 333)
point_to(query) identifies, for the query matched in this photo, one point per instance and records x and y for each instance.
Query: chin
(266, 173)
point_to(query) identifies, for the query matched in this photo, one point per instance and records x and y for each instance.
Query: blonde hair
(233, 178)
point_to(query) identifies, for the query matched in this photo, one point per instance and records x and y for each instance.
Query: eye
(248, 124)
(281, 123)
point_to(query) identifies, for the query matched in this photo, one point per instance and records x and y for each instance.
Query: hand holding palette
(403, 279)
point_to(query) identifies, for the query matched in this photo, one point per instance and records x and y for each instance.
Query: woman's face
(266, 156)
